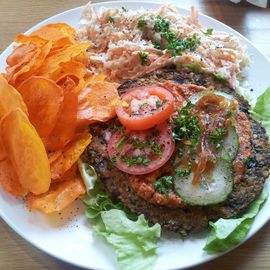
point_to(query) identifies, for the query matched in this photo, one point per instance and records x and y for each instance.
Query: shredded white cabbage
(118, 39)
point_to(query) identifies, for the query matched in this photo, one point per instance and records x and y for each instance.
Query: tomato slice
(144, 107)
(141, 152)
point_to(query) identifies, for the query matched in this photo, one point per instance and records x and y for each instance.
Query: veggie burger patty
(241, 169)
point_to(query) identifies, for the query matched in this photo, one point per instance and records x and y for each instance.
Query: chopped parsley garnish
(169, 36)
(143, 105)
(156, 45)
(229, 113)
(124, 9)
(158, 104)
(183, 173)
(111, 19)
(246, 161)
(174, 45)
(137, 144)
(135, 160)
(163, 184)
(161, 103)
(121, 142)
(156, 148)
(216, 137)
(186, 126)
(180, 152)
(208, 32)
(143, 56)
(178, 46)
(141, 23)
(113, 160)
(161, 24)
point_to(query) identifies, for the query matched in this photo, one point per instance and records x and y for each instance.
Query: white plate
(68, 236)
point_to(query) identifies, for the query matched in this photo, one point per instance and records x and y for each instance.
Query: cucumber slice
(230, 145)
(212, 189)
(196, 97)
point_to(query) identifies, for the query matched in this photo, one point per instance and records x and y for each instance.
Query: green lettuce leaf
(243, 89)
(194, 67)
(134, 241)
(227, 233)
(88, 174)
(261, 110)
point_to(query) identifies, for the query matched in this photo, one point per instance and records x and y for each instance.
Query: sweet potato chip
(94, 78)
(71, 82)
(95, 102)
(21, 54)
(21, 58)
(33, 66)
(71, 68)
(44, 100)
(24, 39)
(10, 98)
(9, 179)
(69, 174)
(55, 32)
(69, 156)
(58, 42)
(83, 57)
(3, 153)
(53, 156)
(59, 196)
(52, 63)
(26, 152)
(66, 123)
(58, 49)
(68, 81)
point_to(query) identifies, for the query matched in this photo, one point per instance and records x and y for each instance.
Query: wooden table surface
(254, 23)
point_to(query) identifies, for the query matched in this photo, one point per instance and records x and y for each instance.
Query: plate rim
(19, 232)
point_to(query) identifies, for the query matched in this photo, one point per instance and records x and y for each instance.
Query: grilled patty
(186, 219)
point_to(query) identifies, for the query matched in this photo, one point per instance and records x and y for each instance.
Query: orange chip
(52, 62)
(94, 78)
(3, 153)
(55, 32)
(69, 174)
(59, 196)
(10, 98)
(44, 100)
(95, 102)
(66, 123)
(9, 179)
(57, 50)
(69, 156)
(53, 156)
(71, 68)
(83, 57)
(57, 44)
(71, 82)
(24, 39)
(33, 66)
(20, 57)
(26, 152)
(68, 81)
(80, 86)
(21, 54)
